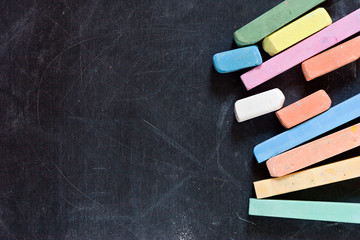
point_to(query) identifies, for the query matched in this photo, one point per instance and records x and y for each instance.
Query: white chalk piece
(259, 104)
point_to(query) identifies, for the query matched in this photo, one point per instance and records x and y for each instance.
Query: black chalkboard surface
(114, 124)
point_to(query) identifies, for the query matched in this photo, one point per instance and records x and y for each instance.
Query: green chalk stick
(272, 20)
(308, 210)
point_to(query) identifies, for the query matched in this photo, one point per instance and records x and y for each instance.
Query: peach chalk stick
(314, 152)
(320, 41)
(332, 59)
(304, 109)
(329, 173)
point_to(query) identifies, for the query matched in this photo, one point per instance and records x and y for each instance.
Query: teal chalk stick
(332, 118)
(307, 210)
(235, 60)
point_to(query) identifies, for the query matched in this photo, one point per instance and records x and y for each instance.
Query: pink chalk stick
(329, 36)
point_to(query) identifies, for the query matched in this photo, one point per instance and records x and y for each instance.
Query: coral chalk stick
(304, 109)
(314, 152)
(332, 59)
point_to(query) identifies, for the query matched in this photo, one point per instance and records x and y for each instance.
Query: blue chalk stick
(234, 60)
(334, 117)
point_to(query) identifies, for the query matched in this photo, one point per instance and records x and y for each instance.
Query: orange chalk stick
(332, 59)
(304, 109)
(314, 152)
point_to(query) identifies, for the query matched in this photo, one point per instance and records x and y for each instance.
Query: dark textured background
(114, 124)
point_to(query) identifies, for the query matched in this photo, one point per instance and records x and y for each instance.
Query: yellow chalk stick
(296, 31)
(326, 174)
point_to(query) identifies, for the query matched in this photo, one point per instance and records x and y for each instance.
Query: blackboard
(114, 124)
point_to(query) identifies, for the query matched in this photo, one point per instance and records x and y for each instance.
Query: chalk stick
(332, 59)
(332, 118)
(314, 177)
(305, 49)
(307, 210)
(314, 152)
(237, 59)
(272, 20)
(296, 31)
(304, 109)
(259, 104)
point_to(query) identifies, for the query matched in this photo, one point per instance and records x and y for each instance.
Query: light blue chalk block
(334, 117)
(308, 210)
(237, 59)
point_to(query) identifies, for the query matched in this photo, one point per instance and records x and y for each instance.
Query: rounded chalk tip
(240, 39)
(216, 63)
(281, 96)
(248, 85)
(272, 169)
(257, 153)
(282, 122)
(326, 97)
(257, 54)
(237, 115)
(307, 75)
(269, 47)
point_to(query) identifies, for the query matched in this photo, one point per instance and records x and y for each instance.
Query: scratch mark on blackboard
(13, 192)
(173, 143)
(77, 189)
(38, 157)
(193, 62)
(173, 166)
(99, 168)
(242, 219)
(61, 27)
(142, 98)
(112, 139)
(223, 171)
(18, 29)
(38, 107)
(3, 225)
(120, 34)
(80, 62)
(71, 204)
(62, 52)
(221, 134)
(354, 68)
(163, 198)
(82, 69)
(332, 224)
(93, 121)
(90, 121)
(68, 91)
(27, 75)
(298, 231)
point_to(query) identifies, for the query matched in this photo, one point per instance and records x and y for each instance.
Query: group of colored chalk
(293, 41)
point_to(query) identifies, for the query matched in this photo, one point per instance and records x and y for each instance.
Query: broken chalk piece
(332, 118)
(332, 59)
(272, 20)
(307, 210)
(305, 49)
(304, 109)
(314, 152)
(296, 31)
(258, 104)
(314, 177)
(237, 59)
